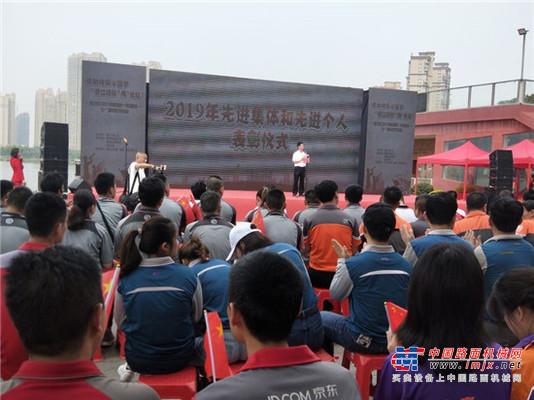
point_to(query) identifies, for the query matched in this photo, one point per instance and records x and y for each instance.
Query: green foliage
(469, 189)
(423, 188)
(31, 153)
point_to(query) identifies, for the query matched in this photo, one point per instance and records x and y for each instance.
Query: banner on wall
(389, 131)
(113, 111)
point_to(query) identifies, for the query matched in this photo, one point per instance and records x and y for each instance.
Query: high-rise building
(7, 119)
(424, 75)
(23, 129)
(49, 107)
(74, 89)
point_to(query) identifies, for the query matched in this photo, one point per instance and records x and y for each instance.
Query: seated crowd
(467, 284)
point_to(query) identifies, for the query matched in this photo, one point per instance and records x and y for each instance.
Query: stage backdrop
(113, 108)
(389, 123)
(247, 130)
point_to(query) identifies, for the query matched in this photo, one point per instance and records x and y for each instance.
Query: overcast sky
(356, 44)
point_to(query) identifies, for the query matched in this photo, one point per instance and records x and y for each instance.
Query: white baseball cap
(237, 233)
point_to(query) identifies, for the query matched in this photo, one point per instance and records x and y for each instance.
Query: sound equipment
(79, 183)
(55, 149)
(501, 170)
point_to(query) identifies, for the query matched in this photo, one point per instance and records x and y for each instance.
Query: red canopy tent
(523, 157)
(460, 156)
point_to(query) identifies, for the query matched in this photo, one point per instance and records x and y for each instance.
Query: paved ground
(112, 360)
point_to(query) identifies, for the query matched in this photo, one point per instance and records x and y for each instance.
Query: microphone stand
(126, 183)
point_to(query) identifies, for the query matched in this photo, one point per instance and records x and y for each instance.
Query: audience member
(420, 226)
(86, 234)
(405, 212)
(460, 214)
(441, 215)
(53, 182)
(445, 305)
(311, 202)
(55, 299)
(213, 275)
(278, 227)
(513, 298)
(13, 227)
(529, 194)
(392, 196)
(526, 227)
(327, 223)
(171, 209)
(476, 219)
(265, 295)
(212, 230)
(353, 196)
(5, 188)
(501, 253)
(151, 192)
(308, 327)
(369, 279)
(216, 184)
(109, 211)
(46, 219)
(261, 195)
(197, 189)
(157, 305)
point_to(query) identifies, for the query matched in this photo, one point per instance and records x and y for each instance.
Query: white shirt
(299, 155)
(131, 172)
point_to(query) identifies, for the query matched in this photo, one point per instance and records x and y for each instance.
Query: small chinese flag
(395, 315)
(195, 207)
(189, 212)
(217, 361)
(258, 220)
(110, 280)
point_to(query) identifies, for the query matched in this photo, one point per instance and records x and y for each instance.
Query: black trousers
(299, 173)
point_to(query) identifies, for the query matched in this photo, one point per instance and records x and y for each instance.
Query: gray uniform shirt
(13, 231)
(94, 239)
(174, 211)
(356, 211)
(113, 211)
(267, 380)
(228, 212)
(301, 215)
(133, 221)
(281, 229)
(214, 232)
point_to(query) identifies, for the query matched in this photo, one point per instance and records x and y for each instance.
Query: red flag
(189, 213)
(258, 220)
(395, 315)
(217, 361)
(195, 207)
(110, 280)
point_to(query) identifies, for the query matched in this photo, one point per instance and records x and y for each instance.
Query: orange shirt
(474, 220)
(525, 227)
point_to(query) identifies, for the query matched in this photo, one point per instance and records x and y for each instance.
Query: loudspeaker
(501, 170)
(55, 148)
(78, 183)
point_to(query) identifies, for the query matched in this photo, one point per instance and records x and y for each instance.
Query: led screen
(246, 130)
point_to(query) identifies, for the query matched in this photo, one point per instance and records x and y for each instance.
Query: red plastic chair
(110, 281)
(340, 307)
(179, 385)
(365, 364)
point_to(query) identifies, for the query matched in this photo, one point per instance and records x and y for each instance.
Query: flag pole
(210, 346)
